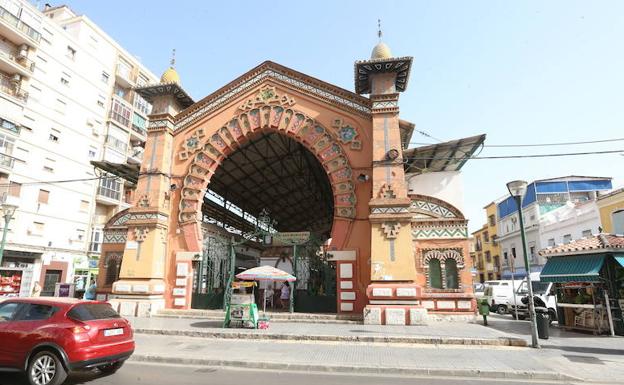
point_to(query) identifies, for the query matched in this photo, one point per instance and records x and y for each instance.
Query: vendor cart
(242, 310)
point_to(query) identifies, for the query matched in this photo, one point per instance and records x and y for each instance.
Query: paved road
(150, 374)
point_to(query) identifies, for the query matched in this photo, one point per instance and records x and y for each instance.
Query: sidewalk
(435, 333)
(564, 357)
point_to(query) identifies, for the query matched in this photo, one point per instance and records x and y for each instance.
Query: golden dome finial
(171, 75)
(381, 50)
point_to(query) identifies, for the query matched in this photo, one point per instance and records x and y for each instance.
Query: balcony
(135, 155)
(16, 30)
(108, 192)
(124, 76)
(121, 112)
(11, 86)
(16, 62)
(116, 144)
(6, 162)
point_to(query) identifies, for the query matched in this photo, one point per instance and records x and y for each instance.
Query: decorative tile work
(386, 192)
(257, 79)
(267, 95)
(440, 232)
(389, 210)
(122, 220)
(391, 229)
(115, 236)
(347, 134)
(436, 209)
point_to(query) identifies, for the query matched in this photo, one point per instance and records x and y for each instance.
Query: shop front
(588, 275)
(16, 273)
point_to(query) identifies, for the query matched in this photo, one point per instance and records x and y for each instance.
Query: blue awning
(573, 268)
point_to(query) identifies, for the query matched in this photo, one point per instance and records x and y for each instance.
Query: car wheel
(502, 309)
(112, 368)
(45, 368)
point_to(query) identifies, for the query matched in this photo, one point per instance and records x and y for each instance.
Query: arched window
(435, 274)
(450, 269)
(112, 265)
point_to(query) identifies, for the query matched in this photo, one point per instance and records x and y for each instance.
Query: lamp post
(7, 213)
(517, 189)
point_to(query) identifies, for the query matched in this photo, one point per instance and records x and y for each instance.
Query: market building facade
(318, 159)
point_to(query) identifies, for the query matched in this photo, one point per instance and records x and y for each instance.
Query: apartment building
(66, 100)
(487, 250)
(556, 211)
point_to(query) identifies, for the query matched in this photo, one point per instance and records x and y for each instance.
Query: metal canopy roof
(447, 156)
(272, 171)
(127, 171)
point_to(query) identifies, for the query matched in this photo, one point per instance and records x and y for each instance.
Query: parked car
(545, 291)
(499, 294)
(46, 338)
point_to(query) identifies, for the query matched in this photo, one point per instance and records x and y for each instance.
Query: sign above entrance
(290, 238)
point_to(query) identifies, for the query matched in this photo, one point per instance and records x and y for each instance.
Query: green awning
(573, 268)
(619, 258)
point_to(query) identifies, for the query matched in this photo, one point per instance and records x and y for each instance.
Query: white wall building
(65, 100)
(556, 211)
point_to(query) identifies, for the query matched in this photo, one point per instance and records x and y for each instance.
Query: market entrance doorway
(269, 186)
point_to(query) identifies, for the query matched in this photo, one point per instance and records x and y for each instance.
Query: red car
(49, 337)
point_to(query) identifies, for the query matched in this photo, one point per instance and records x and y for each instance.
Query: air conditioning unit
(16, 78)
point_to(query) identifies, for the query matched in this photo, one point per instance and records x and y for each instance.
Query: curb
(287, 320)
(501, 341)
(268, 365)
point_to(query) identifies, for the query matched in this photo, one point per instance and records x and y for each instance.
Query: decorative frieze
(440, 232)
(391, 229)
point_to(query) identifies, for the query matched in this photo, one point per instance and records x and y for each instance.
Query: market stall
(589, 283)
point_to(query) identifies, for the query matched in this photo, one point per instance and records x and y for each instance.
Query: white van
(543, 290)
(499, 294)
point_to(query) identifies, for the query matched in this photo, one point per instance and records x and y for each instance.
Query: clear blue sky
(520, 72)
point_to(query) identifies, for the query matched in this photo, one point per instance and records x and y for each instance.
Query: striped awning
(573, 268)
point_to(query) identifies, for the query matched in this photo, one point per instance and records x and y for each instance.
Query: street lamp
(7, 212)
(517, 189)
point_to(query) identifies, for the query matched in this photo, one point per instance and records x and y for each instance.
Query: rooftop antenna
(173, 58)
(379, 33)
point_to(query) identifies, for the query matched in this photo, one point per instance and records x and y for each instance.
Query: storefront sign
(64, 290)
(291, 238)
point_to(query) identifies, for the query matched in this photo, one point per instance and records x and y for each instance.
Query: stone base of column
(394, 303)
(138, 297)
(137, 306)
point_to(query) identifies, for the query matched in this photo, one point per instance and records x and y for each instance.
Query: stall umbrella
(265, 273)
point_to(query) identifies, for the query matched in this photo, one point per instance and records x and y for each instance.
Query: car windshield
(92, 311)
(537, 286)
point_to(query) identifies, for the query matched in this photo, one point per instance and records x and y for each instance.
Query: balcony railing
(12, 88)
(119, 118)
(13, 21)
(18, 59)
(138, 130)
(6, 161)
(117, 144)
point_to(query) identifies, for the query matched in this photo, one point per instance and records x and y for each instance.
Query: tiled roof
(595, 243)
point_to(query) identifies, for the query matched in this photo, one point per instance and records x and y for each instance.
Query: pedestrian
(36, 291)
(285, 295)
(90, 292)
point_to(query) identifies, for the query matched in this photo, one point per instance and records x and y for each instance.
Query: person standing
(90, 292)
(285, 295)
(36, 291)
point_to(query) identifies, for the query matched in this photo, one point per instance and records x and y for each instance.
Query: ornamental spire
(379, 32)
(173, 58)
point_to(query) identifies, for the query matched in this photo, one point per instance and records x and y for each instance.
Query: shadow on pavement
(588, 350)
(207, 324)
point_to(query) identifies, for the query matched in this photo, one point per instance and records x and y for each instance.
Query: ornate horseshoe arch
(267, 111)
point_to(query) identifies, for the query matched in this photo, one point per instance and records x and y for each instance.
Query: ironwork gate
(211, 273)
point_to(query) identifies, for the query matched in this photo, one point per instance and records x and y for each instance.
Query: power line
(62, 181)
(519, 156)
